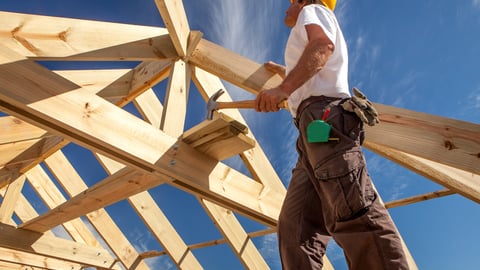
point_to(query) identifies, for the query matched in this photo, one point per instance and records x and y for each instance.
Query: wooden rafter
(419, 198)
(81, 106)
(73, 184)
(50, 246)
(52, 38)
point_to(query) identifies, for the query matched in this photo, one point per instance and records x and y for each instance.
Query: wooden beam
(48, 246)
(175, 105)
(175, 19)
(164, 231)
(442, 140)
(10, 199)
(116, 187)
(73, 184)
(11, 151)
(221, 137)
(235, 235)
(419, 198)
(63, 108)
(144, 77)
(23, 260)
(126, 86)
(157, 222)
(150, 107)
(233, 67)
(255, 159)
(119, 86)
(111, 84)
(31, 156)
(14, 130)
(462, 182)
(53, 38)
(52, 197)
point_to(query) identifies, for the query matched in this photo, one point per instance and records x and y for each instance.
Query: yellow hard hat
(330, 4)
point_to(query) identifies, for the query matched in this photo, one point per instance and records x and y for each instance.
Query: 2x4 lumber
(419, 198)
(149, 107)
(19, 143)
(125, 87)
(11, 151)
(233, 67)
(462, 182)
(14, 130)
(10, 199)
(23, 209)
(111, 84)
(106, 228)
(157, 222)
(153, 253)
(144, 77)
(175, 105)
(12, 266)
(49, 246)
(119, 86)
(31, 156)
(221, 137)
(52, 197)
(121, 91)
(174, 117)
(114, 188)
(54, 38)
(211, 126)
(163, 231)
(63, 108)
(443, 140)
(175, 19)
(255, 159)
(235, 235)
(23, 260)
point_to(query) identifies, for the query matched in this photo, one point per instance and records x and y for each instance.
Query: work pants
(331, 195)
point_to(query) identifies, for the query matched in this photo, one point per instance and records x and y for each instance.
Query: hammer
(213, 105)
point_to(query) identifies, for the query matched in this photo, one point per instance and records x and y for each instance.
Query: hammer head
(212, 103)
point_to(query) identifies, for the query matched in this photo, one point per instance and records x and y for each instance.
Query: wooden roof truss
(47, 109)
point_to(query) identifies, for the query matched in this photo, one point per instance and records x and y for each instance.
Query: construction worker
(330, 193)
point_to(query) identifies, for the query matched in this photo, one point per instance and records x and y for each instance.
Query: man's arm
(313, 59)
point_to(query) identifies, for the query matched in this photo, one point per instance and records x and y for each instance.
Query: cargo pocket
(346, 186)
(353, 127)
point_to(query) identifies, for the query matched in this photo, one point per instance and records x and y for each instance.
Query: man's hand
(275, 68)
(268, 100)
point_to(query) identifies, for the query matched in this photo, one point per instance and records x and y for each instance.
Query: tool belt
(309, 101)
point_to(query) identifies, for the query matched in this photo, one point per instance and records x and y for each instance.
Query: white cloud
(476, 3)
(246, 27)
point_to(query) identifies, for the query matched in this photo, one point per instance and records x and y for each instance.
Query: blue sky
(418, 55)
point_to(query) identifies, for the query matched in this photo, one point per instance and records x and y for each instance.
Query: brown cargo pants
(331, 195)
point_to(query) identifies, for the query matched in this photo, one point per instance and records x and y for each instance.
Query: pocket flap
(339, 165)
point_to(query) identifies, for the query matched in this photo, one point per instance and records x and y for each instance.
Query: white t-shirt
(332, 80)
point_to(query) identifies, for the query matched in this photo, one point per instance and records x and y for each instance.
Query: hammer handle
(245, 104)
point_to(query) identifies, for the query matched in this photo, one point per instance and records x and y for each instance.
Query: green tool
(319, 130)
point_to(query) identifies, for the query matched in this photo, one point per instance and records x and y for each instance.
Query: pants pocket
(353, 127)
(349, 196)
